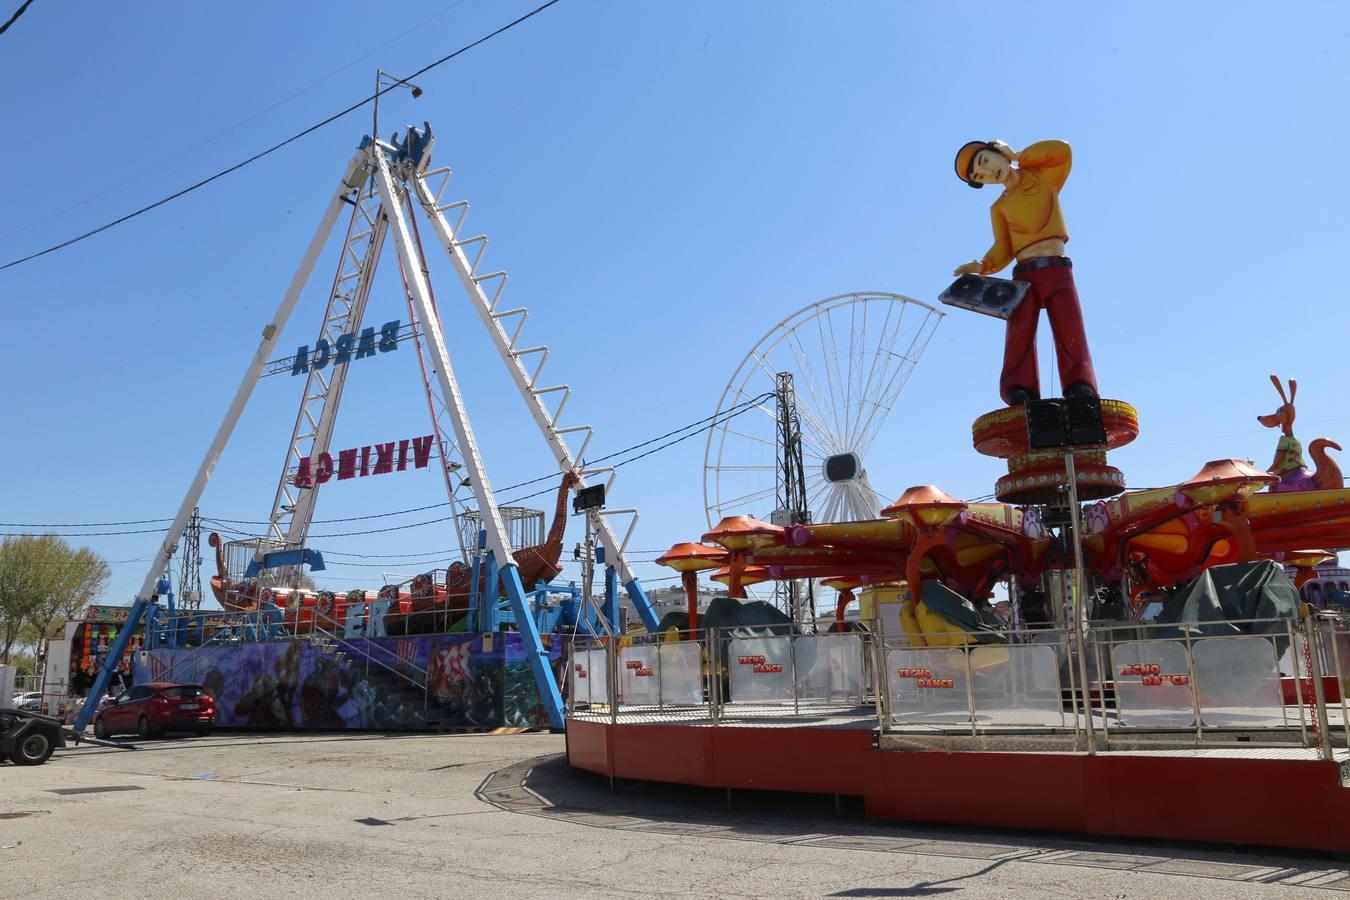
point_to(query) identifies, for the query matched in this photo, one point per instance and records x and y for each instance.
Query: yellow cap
(965, 157)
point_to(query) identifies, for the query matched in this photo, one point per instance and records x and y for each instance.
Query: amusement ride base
(1239, 796)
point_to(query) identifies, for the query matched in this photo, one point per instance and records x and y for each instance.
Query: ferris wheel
(850, 357)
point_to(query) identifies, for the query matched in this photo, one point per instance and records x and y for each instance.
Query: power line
(80, 524)
(707, 423)
(82, 534)
(235, 127)
(726, 415)
(272, 149)
(14, 18)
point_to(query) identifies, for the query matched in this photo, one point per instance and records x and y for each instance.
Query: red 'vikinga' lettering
(384, 458)
(421, 451)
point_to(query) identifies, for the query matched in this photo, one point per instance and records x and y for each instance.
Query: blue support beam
(488, 608)
(642, 605)
(475, 585)
(535, 653)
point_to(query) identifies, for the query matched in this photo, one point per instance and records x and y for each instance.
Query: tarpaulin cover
(1208, 604)
(745, 618)
(740, 619)
(982, 624)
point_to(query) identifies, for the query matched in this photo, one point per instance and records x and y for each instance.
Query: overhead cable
(272, 149)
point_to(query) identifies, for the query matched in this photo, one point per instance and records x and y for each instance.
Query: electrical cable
(730, 413)
(270, 150)
(235, 127)
(549, 490)
(14, 18)
(717, 419)
(80, 524)
(724, 416)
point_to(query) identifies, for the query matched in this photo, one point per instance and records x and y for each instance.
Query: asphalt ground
(490, 815)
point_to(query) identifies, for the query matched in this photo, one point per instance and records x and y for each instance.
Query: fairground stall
(80, 648)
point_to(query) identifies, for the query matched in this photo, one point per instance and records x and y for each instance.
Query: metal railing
(1210, 684)
(720, 675)
(402, 668)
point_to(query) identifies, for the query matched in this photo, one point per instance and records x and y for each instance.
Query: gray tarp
(1209, 603)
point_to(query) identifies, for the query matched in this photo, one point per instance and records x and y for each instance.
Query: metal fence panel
(829, 667)
(681, 673)
(1017, 685)
(928, 685)
(638, 684)
(1153, 683)
(1238, 682)
(760, 669)
(590, 677)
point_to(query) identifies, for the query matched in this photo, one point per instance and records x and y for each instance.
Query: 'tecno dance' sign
(358, 462)
(346, 348)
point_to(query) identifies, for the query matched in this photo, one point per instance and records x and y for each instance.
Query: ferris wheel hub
(841, 467)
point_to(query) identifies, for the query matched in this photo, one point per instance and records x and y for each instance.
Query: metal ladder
(293, 507)
(485, 290)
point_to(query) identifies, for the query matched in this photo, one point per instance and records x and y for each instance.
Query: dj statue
(1029, 226)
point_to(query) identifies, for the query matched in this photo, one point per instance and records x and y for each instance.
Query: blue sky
(664, 182)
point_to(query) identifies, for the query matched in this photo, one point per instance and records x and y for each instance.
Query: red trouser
(1052, 290)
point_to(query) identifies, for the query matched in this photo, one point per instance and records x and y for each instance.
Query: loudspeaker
(1084, 418)
(1045, 424)
(1056, 423)
(996, 297)
(589, 498)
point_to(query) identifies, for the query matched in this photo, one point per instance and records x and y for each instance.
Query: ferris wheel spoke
(861, 502)
(883, 341)
(809, 405)
(752, 437)
(857, 366)
(815, 495)
(826, 346)
(895, 377)
(908, 360)
(813, 450)
(809, 450)
(880, 409)
(817, 390)
(833, 507)
(804, 411)
(845, 391)
(761, 494)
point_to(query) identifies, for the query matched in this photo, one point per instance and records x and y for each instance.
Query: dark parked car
(152, 709)
(28, 738)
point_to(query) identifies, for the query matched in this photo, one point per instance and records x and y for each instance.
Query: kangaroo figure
(1289, 465)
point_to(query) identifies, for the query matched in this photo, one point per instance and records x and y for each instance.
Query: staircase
(405, 700)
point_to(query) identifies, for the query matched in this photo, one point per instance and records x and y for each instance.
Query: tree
(43, 580)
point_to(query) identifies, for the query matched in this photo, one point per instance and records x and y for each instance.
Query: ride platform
(1240, 795)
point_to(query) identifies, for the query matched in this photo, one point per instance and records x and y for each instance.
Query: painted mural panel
(360, 683)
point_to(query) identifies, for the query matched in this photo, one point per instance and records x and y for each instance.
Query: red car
(152, 709)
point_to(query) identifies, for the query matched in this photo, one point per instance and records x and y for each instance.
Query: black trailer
(28, 738)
